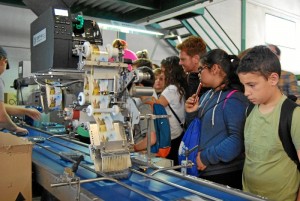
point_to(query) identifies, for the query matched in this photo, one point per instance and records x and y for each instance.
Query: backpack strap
(286, 116)
(249, 109)
(180, 123)
(228, 96)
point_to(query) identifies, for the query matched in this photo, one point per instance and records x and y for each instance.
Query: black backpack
(284, 130)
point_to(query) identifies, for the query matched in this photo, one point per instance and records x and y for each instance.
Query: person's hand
(200, 165)
(33, 113)
(192, 103)
(21, 131)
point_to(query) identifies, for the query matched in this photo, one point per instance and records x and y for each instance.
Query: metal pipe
(82, 181)
(103, 179)
(87, 154)
(217, 186)
(176, 186)
(101, 174)
(150, 117)
(149, 120)
(243, 25)
(188, 165)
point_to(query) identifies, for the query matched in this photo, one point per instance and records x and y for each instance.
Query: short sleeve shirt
(268, 170)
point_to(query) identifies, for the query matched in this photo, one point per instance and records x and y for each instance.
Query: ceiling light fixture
(127, 28)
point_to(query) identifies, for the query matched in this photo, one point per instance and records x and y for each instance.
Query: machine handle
(76, 164)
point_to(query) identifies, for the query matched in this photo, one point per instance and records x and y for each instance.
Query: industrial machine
(108, 87)
(67, 58)
(106, 169)
(54, 37)
(64, 168)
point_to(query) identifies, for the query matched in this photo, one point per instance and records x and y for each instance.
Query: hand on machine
(21, 131)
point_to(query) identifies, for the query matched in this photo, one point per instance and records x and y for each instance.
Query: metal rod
(87, 154)
(82, 181)
(101, 174)
(150, 117)
(176, 186)
(188, 165)
(103, 179)
(55, 135)
(149, 120)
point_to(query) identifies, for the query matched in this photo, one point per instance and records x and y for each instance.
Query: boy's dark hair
(260, 59)
(277, 50)
(147, 82)
(229, 65)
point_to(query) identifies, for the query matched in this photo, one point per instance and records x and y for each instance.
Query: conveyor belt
(170, 185)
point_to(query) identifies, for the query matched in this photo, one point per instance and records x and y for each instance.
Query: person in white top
(173, 98)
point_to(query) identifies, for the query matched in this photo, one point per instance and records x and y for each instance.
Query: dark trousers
(232, 179)
(173, 155)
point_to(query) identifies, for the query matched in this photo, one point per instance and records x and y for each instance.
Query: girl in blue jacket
(222, 114)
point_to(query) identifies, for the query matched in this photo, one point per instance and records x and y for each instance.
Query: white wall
(228, 14)
(157, 48)
(256, 11)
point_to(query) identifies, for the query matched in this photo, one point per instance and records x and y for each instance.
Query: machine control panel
(62, 24)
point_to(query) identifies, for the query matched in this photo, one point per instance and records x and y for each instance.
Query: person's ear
(215, 69)
(196, 58)
(273, 79)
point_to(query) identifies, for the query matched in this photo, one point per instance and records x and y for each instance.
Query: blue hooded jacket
(221, 142)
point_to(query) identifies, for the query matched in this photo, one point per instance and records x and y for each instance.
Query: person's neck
(271, 103)
(195, 69)
(219, 86)
(194, 72)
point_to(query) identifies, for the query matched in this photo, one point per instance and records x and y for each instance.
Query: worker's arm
(17, 110)
(6, 122)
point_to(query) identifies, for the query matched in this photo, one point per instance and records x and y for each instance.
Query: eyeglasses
(201, 68)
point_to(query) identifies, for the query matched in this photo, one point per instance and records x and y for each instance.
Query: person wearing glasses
(221, 111)
(6, 110)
